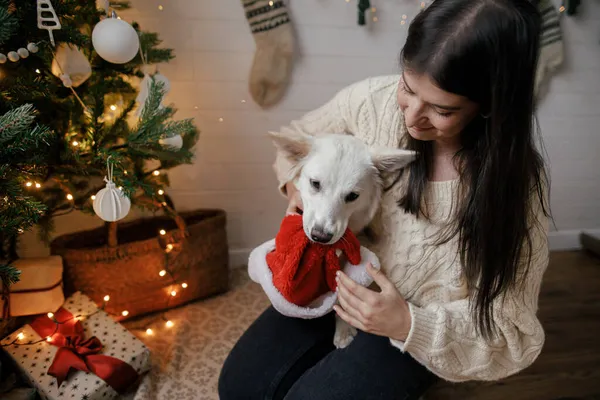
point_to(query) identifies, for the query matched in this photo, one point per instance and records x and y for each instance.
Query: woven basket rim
(63, 243)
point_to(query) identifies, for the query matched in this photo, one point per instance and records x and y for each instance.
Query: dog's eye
(315, 184)
(351, 197)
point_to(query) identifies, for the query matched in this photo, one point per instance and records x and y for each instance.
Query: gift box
(79, 352)
(39, 289)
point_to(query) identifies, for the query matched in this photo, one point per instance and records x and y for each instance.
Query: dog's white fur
(341, 164)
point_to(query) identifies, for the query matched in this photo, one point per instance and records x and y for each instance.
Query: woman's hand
(384, 313)
(295, 200)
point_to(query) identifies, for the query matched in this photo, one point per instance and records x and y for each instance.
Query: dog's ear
(389, 160)
(295, 146)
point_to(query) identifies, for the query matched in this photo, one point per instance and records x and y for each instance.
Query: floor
(188, 355)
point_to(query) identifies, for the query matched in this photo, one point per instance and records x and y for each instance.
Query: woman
(461, 234)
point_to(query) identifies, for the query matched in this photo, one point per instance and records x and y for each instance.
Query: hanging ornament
(110, 203)
(115, 40)
(71, 65)
(15, 56)
(174, 142)
(103, 5)
(49, 23)
(363, 6)
(145, 89)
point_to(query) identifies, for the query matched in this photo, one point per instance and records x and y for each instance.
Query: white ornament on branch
(110, 203)
(71, 65)
(145, 89)
(115, 40)
(175, 142)
(51, 23)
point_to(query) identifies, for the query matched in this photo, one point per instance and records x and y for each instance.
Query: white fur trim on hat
(260, 273)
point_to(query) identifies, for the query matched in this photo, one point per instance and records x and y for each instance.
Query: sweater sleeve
(332, 117)
(443, 336)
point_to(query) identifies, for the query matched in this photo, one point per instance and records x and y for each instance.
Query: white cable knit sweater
(443, 335)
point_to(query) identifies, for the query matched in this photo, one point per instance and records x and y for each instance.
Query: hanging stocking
(272, 65)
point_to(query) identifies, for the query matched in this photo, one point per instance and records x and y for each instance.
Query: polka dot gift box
(78, 352)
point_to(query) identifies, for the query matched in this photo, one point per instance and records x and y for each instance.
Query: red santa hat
(298, 275)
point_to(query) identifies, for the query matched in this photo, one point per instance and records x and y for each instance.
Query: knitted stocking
(272, 65)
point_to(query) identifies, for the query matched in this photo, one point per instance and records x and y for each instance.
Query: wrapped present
(78, 352)
(39, 289)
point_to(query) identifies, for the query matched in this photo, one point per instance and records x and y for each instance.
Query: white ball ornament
(175, 142)
(13, 56)
(110, 203)
(2, 58)
(115, 40)
(32, 47)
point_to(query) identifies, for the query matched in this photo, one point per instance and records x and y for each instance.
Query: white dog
(340, 180)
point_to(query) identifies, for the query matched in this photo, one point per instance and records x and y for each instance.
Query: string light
(243, 101)
(162, 273)
(375, 19)
(161, 192)
(113, 107)
(20, 336)
(221, 119)
(20, 230)
(38, 185)
(75, 143)
(422, 4)
(160, 7)
(28, 184)
(173, 293)
(373, 9)
(184, 285)
(125, 171)
(271, 3)
(164, 203)
(149, 332)
(120, 187)
(169, 324)
(106, 298)
(561, 9)
(50, 315)
(196, 107)
(93, 197)
(169, 248)
(125, 313)
(69, 196)
(163, 232)
(49, 339)
(38, 71)
(156, 173)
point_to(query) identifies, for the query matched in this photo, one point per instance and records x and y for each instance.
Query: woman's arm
(443, 336)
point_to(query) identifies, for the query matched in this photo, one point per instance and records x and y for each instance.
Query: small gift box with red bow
(78, 352)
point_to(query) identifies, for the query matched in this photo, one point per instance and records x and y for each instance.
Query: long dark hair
(487, 51)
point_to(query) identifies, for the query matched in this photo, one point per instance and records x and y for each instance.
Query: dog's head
(340, 180)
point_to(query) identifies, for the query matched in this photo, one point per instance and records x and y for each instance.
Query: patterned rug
(188, 356)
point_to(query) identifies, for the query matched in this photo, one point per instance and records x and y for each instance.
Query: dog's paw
(344, 333)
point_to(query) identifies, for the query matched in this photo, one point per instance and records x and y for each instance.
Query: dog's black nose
(320, 236)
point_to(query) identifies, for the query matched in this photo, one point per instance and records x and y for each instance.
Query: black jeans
(294, 359)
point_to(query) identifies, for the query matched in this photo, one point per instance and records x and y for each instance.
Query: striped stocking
(272, 30)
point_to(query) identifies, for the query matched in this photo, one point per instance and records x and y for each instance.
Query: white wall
(214, 50)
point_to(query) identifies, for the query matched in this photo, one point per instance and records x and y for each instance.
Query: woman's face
(431, 113)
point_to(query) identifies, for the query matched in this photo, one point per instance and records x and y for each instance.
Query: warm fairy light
(373, 9)
(375, 19)
(184, 285)
(50, 315)
(149, 331)
(156, 173)
(125, 313)
(49, 339)
(38, 185)
(164, 203)
(162, 232)
(243, 101)
(562, 9)
(160, 7)
(69, 196)
(402, 22)
(162, 273)
(75, 143)
(37, 70)
(20, 336)
(221, 119)
(106, 298)
(169, 247)
(125, 171)
(404, 16)
(20, 230)
(161, 192)
(113, 107)
(173, 293)
(28, 184)
(169, 324)
(271, 3)
(120, 188)
(422, 4)
(93, 197)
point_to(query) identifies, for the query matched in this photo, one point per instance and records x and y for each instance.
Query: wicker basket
(129, 273)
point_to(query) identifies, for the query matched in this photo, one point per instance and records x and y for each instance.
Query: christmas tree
(70, 107)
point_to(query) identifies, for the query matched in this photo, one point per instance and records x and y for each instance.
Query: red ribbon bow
(77, 353)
